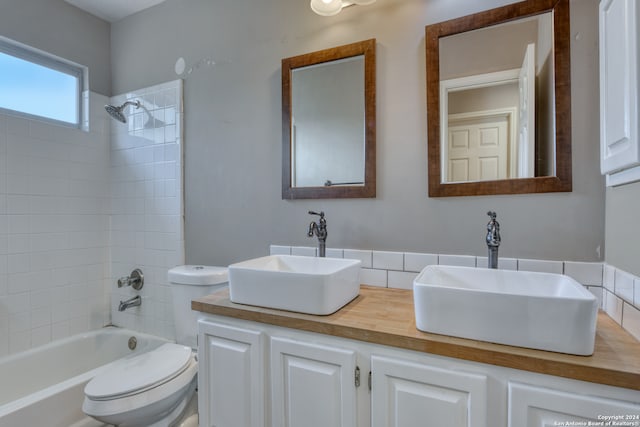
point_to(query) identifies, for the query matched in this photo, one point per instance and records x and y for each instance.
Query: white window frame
(42, 58)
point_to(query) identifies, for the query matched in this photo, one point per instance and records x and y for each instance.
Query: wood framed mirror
(458, 136)
(329, 123)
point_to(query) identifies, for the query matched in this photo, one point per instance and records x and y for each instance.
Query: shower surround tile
(146, 208)
(54, 223)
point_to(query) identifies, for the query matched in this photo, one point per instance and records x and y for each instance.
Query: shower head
(116, 112)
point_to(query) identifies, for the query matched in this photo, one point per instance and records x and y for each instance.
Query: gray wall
(63, 30)
(623, 227)
(233, 204)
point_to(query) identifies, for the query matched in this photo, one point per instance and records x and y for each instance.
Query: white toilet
(157, 389)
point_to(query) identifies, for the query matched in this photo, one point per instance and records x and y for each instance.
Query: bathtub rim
(24, 401)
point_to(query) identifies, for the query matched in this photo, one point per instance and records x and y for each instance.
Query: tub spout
(131, 302)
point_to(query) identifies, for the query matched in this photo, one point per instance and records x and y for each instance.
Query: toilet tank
(187, 283)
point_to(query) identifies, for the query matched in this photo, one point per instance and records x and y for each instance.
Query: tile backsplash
(618, 292)
(621, 298)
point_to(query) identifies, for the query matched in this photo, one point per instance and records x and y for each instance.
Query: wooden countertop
(385, 316)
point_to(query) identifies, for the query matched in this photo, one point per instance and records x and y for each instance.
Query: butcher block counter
(386, 316)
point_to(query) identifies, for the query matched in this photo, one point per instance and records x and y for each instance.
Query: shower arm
(137, 104)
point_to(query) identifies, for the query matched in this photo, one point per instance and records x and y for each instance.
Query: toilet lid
(141, 372)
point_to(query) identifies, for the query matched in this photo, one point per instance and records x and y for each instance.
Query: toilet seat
(157, 383)
(140, 373)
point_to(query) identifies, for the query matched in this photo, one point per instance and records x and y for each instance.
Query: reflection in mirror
(327, 120)
(328, 123)
(495, 102)
(498, 101)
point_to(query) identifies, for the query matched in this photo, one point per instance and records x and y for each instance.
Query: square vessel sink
(536, 310)
(295, 283)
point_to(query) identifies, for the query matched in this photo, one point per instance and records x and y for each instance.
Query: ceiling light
(326, 7)
(333, 7)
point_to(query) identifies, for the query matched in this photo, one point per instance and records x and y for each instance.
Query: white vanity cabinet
(312, 385)
(405, 393)
(255, 374)
(231, 376)
(535, 406)
(619, 91)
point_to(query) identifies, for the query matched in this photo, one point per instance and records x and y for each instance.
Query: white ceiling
(113, 10)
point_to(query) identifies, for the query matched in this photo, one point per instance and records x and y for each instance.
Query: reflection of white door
(478, 149)
(526, 122)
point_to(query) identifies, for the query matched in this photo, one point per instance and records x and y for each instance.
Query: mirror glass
(496, 104)
(498, 94)
(328, 123)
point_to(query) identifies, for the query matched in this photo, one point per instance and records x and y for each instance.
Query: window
(33, 83)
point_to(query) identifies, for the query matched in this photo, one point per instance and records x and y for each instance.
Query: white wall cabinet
(231, 372)
(252, 374)
(619, 84)
(406, 394)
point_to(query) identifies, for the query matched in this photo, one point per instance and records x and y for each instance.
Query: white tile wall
(457, 260)
(621, 296)
(401, 279)
(399, 269)
(280, 250)
(503, 263)
(373, 277)
(53, 229)
(364, 256)
(624, 285)
(334, 253)
(417, 261)
(146, 204)
(303, 251)
(597, 292)
(541, 266)
(587, 273)
(388, 260)
(609, 277)
(631, 320)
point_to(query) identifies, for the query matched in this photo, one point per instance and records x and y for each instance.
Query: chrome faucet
(493, 240)
(131, 302)
(135, 280)
(320, 230)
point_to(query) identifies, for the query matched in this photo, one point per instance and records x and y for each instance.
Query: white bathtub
(44, 386)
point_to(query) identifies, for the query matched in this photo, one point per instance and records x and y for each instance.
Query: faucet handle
(492, 215)
(321, 214)
(135, 280)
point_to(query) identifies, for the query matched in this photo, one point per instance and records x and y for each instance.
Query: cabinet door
(619, 145)
(532, 406)
(312, 385)
(230, 376)
(409, 394)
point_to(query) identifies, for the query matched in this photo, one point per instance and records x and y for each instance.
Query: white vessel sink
(295, 283)
(535, 310)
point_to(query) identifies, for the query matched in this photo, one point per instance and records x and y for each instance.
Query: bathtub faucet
(135, 280)
(131, 302)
